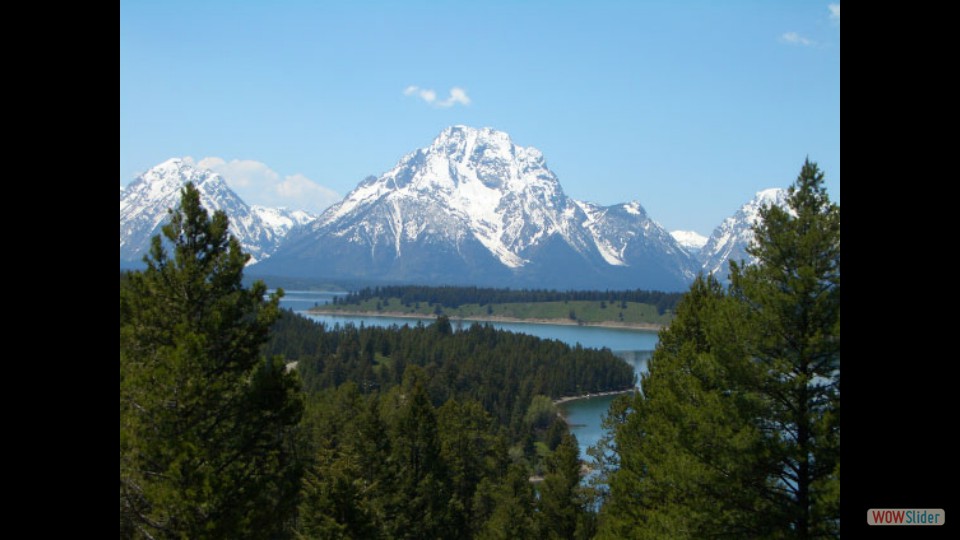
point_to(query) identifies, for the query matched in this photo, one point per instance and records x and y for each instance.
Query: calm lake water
(584, 415)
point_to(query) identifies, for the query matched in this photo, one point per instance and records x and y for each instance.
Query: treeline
(454, 297)
(500, 370)
(393, 465)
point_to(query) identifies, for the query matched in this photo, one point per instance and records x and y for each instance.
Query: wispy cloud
(834, 12)
(256, 183)
(793, 38)
(457, 95)
(428, 95)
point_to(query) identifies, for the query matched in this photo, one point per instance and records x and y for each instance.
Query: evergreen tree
(736, 432)
(207, 425)
(684, 447)
(561, 503)
(793, 294)
(421, 493)
(513, 513)
(471, 454)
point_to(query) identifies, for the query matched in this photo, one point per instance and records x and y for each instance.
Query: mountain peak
(474, 206)
(730, 240)
(692, 241)
(460, 131)
(473, 146)
(145, 201)
(771, 195)
(171, 166)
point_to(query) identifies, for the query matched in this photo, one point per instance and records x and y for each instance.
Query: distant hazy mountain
(729, 241)
(144, 203)
(691, 241)
(475, 208)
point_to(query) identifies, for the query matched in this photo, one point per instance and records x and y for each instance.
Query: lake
(584, 415)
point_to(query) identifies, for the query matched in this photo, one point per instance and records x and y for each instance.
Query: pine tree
(207, 425)
(470, 454)
(685, 446)
(794, 298)
(561, 503)
(736, 432)
(513, 512)
(421, 491)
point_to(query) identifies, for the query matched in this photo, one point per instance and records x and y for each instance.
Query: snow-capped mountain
(691, 241)
(144, 203)
(730, 240)
(473, 207)
(281, 220)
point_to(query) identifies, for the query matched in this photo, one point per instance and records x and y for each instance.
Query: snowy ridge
(282, 220)
(473, 195)
(730, 240)
(478, 178)
(691, 241)
(145, 201)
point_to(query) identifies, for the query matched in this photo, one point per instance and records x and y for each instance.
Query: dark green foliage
(501, 370)
(513, 513)
(540, 413)
(207, 425)
(393, 466)
(561, 502)
(473, 451)
(421, 481)
(793, 296)
(737, 431)
(413, 428)
(555, 433)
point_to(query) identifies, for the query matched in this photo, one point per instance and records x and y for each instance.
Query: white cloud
(256, 183)
(794, 38)
(299, 187)
(428, 95)
(834, 12)
(457, 95)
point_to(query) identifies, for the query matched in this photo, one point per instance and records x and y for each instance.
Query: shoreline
(652, 327)
(567, 399)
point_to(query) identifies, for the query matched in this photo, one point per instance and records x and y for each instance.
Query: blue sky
(689, 107)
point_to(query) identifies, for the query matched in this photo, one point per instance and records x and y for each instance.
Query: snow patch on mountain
(730, 240)
(692, 241)
(144, 205)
